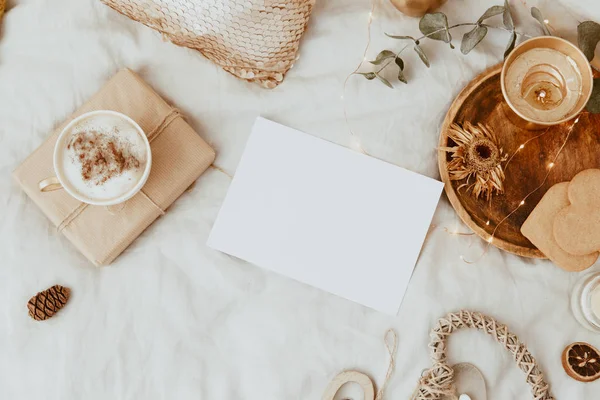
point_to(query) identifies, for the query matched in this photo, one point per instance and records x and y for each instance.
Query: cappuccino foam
(102, 157)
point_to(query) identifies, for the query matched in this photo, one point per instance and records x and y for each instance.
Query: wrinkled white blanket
(173, 319)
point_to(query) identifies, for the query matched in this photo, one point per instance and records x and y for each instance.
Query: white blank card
(325, 215)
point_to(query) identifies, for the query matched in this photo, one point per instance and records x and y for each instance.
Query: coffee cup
(100, 158)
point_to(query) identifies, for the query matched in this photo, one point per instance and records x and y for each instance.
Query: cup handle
(49, 184)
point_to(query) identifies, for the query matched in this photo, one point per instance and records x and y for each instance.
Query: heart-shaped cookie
(577, 227)
(539, 229)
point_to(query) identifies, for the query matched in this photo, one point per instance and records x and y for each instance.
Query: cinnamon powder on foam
(102, 156)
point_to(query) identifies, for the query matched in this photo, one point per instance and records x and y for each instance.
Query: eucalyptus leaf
(401, 77)
(472, 38)
(401, 37)
(435, 26)
(593, 105)
(384, 81)
(400, 63)
(537, 14)
(422, 55)
(382, 56)
(507, 18)
(490, 12)
(511, 44)
(588, 36)
(368, 75)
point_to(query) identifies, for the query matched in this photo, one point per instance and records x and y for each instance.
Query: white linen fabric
(173, 319)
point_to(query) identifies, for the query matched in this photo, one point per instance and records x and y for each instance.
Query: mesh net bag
(255, 40)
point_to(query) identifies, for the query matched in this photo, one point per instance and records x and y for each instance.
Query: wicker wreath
(438, 381)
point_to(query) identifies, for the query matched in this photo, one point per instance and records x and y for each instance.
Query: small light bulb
(546, 21)
(521, 146)
(577, 120)
(364, 58)
(522, 202)
(462, 257)
(491, 239)
(356, 145)
(487, 223)
(551, 165)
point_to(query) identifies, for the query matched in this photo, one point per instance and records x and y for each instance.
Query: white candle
(595, 301)
(544, 84)
(546, 80)
(585, 301)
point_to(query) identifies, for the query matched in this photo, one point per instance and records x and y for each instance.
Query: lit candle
(546, 80)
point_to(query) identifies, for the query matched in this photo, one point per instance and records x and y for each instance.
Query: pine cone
(47, 303)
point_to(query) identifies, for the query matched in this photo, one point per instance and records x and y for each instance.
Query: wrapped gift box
(179, 156)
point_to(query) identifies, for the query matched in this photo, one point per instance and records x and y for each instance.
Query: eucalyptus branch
(505, 29)
(456, 26)
(435, 27)
(391, 60)
(418, 40)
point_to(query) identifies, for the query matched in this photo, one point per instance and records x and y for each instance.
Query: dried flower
(476, 157)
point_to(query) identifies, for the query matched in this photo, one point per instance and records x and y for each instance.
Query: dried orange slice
(581, 361)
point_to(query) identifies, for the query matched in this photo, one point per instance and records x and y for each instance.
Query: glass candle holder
(585, 302)
(546, 81)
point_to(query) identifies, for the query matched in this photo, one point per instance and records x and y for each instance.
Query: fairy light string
(521, 147)
(355, 140)
(549, 166)
(356, 144)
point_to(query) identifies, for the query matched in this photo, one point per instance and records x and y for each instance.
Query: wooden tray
(481, 101)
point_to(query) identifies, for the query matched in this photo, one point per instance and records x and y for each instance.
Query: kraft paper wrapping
(179, 156)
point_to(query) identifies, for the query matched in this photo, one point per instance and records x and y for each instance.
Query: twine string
(391, 343)
(221, 170)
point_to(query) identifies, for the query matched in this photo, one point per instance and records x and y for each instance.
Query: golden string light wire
(356, 142)
(456, 232)
(521, 147)
(550, 166)
(357, 145)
